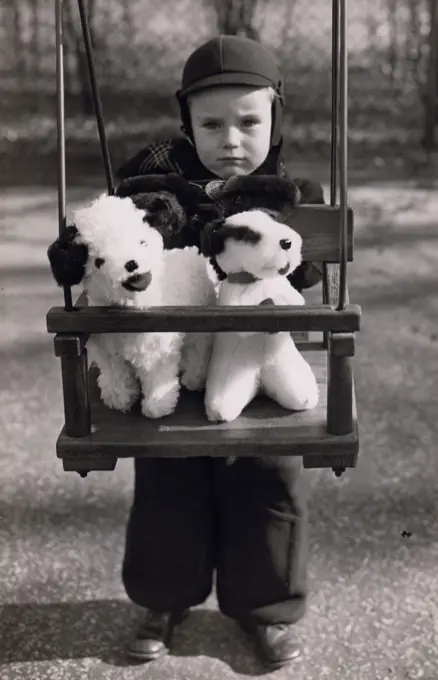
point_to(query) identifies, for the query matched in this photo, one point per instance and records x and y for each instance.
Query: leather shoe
(154, 634)
(276, 643)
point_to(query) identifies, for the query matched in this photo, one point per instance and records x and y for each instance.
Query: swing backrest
(319, 227)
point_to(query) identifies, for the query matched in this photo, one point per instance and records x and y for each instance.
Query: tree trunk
(236, 17)
(35, 41)
(18, 40)
(431, 99)
(393, 45)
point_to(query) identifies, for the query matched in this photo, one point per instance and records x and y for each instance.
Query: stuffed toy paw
(116, 248)
(255, 252)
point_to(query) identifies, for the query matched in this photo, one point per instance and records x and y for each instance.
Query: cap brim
(249, 79)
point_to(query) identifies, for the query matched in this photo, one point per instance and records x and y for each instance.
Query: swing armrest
(341, 407)
(72, 344)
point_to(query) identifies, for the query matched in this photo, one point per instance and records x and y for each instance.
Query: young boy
(246, 521)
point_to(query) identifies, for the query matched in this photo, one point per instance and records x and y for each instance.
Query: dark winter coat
(179, 156)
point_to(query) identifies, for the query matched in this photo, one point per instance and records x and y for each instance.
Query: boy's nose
(231, 138)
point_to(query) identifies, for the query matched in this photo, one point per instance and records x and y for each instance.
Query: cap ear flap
(245, 192)
(68, 258)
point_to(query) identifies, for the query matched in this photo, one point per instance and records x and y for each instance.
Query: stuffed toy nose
(285, 243)
(131, 266)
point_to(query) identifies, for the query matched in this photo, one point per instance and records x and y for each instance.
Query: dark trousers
(246, 520)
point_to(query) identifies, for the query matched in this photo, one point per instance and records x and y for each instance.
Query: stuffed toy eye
(99, 261)
(285, 243)
(143, 243)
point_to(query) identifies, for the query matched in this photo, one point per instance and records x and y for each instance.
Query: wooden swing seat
(94, 436)
(263, 429)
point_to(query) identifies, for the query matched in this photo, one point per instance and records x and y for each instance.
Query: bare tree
(17, 32)
(393, 52)
(414, 43)
(431, 98)
(35, 39)
(237, 17)
(75, 42)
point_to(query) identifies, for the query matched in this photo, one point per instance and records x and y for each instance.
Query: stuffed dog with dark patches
(274, 195)
(168, 202)
(253, 252)
(121, 259)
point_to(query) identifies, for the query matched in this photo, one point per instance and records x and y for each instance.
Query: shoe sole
(266, 661)
(138, 656)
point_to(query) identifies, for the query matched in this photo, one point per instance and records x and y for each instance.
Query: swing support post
(70, 348)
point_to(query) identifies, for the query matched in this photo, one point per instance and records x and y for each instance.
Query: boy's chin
(232, 171)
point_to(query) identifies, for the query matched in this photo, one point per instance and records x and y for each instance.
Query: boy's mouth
(231, 159)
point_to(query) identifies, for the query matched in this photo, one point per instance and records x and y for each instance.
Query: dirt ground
(373, 612)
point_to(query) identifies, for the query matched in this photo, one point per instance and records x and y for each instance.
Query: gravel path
(373, 612)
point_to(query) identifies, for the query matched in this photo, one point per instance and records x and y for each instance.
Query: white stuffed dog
(255, 253)
(122, 261)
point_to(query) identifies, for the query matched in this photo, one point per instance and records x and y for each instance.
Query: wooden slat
(340, 419)
(319, 227)
(263, 429)
(341, 344)
(68, 345)
(75, 384)
(301, 338)
(198, 319)
(331, 285)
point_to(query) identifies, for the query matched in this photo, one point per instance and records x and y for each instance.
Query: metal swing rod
(340, 87)
(60, 91)
(339, 135)
(60, 120)
(339, 126)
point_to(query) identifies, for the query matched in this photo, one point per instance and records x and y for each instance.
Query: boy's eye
(249, 122)
(211, 125)
(99, 261)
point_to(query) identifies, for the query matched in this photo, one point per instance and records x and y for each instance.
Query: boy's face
(231, 128)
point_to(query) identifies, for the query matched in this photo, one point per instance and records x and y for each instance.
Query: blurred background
(140, 47)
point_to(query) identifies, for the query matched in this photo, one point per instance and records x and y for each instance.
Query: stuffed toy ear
(68, 258)
(169, 202)
(200, 223)
(311, 192)
(164, 213)
(257, 191)
(212, 243)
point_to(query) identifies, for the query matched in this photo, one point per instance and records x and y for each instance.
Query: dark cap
(230, 60)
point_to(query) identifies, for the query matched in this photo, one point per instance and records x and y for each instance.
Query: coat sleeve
(308, 274)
